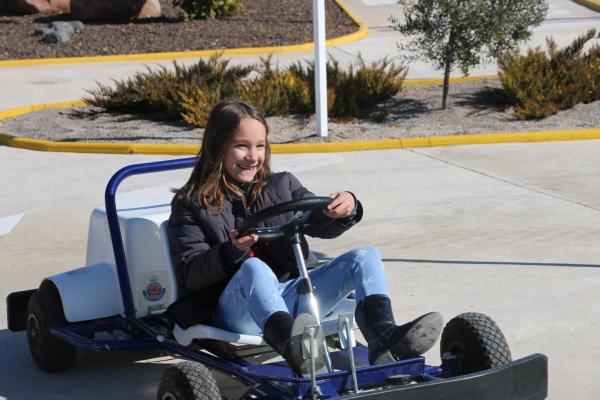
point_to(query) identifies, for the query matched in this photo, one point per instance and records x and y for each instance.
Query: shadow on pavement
(325, 257)
(510, 263)
(95, 375)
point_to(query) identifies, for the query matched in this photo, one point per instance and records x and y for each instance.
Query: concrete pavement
(509, 230)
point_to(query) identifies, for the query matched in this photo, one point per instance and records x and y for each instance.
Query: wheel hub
(169, 396)
(460, 352)
(34, 332)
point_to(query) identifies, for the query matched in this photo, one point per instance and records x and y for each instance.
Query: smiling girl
(241, 284)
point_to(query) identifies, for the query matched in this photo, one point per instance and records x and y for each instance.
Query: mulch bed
(260, 23)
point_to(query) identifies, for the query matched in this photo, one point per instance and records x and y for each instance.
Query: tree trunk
(446, 83)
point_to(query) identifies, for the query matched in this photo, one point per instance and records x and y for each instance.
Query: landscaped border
(359, 34)
(324, 147)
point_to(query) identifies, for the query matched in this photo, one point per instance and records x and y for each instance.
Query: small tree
(463, 33)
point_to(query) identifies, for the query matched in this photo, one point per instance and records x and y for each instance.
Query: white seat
(201, 331)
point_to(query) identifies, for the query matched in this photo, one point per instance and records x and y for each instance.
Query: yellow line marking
(359, 34)
(25, 110)
(593, 4)
(329, 147)
(436, 81)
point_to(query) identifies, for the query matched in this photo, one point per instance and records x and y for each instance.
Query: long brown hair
(209, 182)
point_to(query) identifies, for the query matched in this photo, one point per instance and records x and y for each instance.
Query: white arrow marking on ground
(8, 223)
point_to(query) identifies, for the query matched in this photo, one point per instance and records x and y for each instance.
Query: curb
(359, 34)
(25, 110)
(440, 81)
(329, 147)
(593, 4)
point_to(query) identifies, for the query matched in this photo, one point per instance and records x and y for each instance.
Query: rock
(34, 6)
(56, 37)
(42, 31)
(62, 26)
(114, 10)
(77, 25)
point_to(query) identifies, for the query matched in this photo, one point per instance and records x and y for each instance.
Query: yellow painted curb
(439, 81)
(593, 4)
(24, 110)
(329, 147)
(93, 147)
(359, 34)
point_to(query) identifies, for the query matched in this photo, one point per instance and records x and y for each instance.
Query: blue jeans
(254, 293)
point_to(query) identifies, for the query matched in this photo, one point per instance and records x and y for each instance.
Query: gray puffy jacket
(205, 259)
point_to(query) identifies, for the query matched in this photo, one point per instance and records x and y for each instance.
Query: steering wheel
(303, 209)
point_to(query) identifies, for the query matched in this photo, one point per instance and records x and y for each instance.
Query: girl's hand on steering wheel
(342, 205)
(242, 243)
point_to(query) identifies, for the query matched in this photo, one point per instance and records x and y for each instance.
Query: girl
(240, 284)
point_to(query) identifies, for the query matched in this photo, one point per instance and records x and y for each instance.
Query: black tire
(44, 311)
(188, 380)
(476, 341)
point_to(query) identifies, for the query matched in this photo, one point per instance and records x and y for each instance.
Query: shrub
(189, 93)
(277, 92)
(144, 93)
(362, 88)
(356, 88)
(539, 84)
(172, 94)
(208, 9)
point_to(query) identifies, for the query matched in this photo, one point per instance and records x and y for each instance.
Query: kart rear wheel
(476, 341)
(188, 380)
(44, 311)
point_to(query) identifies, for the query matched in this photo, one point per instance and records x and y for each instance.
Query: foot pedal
(346, 330)
(310, 350)
(347, 341)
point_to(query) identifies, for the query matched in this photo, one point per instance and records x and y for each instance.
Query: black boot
(387, 341)
(284, 335)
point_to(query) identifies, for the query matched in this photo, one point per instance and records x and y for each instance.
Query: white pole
(320, 66)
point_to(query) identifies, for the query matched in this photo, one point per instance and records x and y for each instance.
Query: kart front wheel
(44, 311)
(188, 380)
(476, 342)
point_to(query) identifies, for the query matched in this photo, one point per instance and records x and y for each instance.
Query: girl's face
(245, 152)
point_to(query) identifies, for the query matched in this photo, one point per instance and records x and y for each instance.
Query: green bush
(356, 88)
(172, 94)
(276, 92)
(189, 93)
(539, 84)
(208, 9)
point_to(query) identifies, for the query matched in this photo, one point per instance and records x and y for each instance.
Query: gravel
(259, 23)
(414, 112)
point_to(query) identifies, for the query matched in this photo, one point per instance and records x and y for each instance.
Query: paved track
(510, 230)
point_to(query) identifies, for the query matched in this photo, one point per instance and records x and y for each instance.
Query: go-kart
(117, 301)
